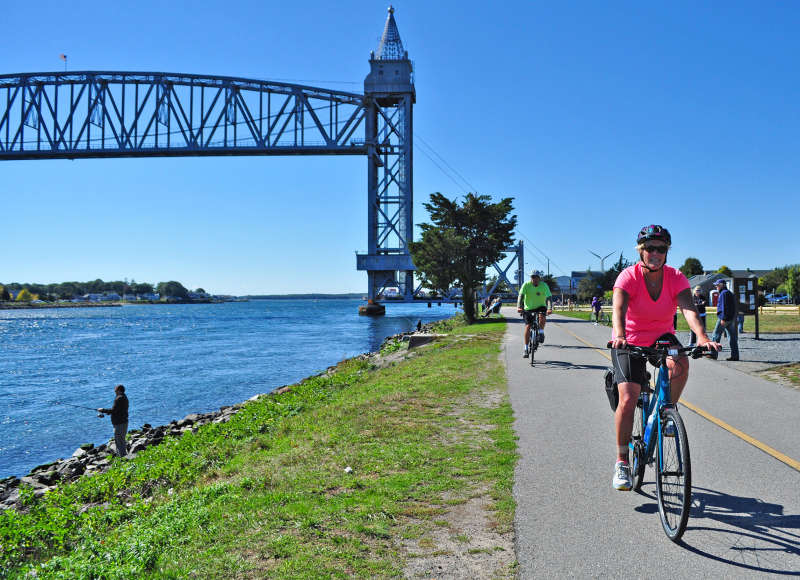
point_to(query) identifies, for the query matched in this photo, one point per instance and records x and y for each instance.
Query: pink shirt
(647, 319)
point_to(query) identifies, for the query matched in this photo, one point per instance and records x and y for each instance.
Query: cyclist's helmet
(536, 273)
(654, 232)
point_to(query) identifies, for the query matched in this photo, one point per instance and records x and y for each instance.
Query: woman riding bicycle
(644, 301)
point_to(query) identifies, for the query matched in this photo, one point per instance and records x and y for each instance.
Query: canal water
(173, 360)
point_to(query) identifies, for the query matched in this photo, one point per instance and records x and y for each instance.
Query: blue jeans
(732, 332)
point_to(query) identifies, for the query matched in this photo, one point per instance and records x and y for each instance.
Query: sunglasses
(659, 249)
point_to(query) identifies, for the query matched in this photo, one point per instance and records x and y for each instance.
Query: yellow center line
(793, 463)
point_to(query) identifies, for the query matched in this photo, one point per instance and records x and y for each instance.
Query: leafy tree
(25, 296)
(4, 295)
(200, 291)
(551, 283)
(588, 287)
(142, 288)
(95, 287)
(725, 270)
(610, 275)
(435, 258)
(172, 289)
(792, 282)
(463, 240)
(691, 267)
(771, 281)
(502, 287)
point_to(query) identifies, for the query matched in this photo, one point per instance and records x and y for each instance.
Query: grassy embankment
(267, 494)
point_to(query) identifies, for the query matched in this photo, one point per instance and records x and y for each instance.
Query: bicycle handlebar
(671, 350)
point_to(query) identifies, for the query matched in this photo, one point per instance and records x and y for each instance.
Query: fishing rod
(101, 415)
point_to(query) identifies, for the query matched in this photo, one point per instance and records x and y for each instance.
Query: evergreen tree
(461, 242)
(691, 267)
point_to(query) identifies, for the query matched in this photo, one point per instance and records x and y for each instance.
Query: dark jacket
(119, 410)
(700, 303)
(726, 305)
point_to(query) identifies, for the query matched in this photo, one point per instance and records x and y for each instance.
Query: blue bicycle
(659, 430)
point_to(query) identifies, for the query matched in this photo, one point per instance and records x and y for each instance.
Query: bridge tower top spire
(391, 47)
(391, 71)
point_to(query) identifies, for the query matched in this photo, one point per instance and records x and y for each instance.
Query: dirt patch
(458, 536)
(460, 543)
(786, 375)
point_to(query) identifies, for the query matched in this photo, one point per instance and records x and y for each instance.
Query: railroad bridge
(100, 114)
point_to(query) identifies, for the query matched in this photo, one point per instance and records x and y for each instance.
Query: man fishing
(119, 419)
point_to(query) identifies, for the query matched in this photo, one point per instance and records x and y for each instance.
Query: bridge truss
(74, 115)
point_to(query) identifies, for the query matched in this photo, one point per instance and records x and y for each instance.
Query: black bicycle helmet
(654, 232)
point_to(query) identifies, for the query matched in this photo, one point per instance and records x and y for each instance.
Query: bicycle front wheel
(673, 475)
(534, 342)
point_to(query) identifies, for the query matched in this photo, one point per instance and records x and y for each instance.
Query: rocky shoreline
(89, 459)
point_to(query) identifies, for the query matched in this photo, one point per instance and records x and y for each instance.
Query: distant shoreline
(28, 306)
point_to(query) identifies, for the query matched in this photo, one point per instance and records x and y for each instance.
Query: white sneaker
(525, 352)
(622, 477)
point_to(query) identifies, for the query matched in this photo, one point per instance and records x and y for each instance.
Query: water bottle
(649, 427)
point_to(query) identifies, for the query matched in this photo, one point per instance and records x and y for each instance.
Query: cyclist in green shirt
(534, 297)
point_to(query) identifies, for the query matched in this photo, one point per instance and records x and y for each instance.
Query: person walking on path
(597, 307)
(699, 303)
(119, 419)
(726, 319)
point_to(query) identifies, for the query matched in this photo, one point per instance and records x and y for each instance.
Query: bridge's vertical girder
(389, 98)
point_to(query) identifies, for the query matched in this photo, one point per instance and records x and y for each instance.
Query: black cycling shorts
(529, 313)
(631, 368)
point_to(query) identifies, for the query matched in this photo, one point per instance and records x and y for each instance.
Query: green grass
(790, 373)
(267, 493)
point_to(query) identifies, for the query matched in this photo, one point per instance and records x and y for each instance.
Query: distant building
(577, 275)
(564, 284)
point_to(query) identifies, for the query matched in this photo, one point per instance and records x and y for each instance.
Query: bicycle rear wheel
(637, 448)
(673, 475)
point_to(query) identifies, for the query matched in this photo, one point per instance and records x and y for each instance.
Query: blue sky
(597, 118)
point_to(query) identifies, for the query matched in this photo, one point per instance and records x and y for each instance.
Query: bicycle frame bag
(612, 392)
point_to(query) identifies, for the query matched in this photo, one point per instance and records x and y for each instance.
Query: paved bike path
(745, 519)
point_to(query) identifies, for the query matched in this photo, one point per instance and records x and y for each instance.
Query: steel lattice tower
(389, 99)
